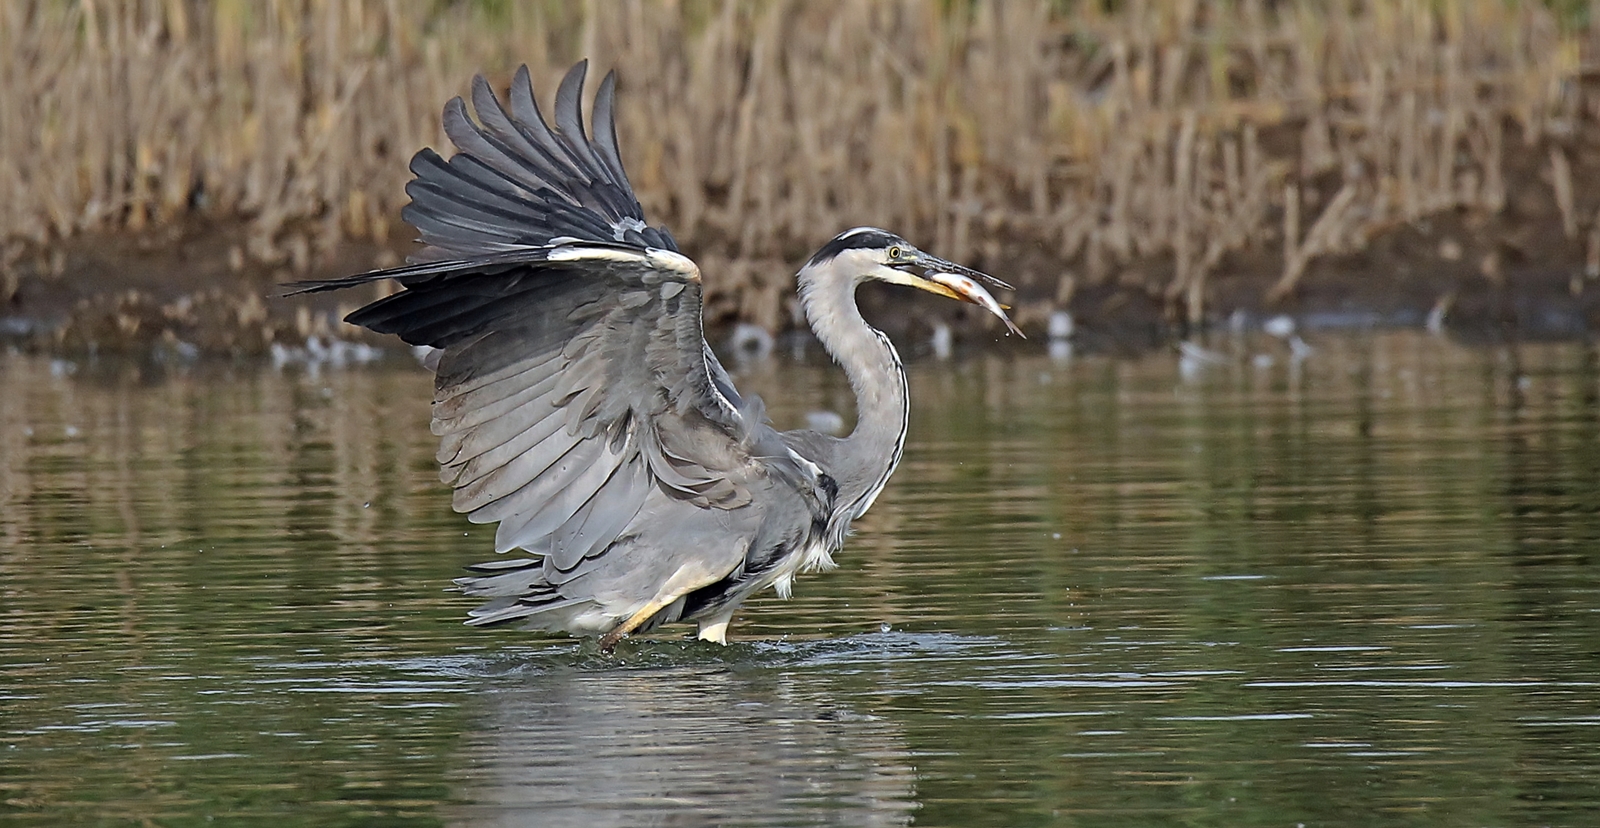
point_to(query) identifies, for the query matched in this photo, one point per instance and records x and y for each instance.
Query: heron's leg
(689, 577)
(609, 641)
(716, 629)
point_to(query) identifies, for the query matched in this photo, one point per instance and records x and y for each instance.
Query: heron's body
(578, 405)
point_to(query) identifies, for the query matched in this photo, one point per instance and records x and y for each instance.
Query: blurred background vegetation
(1201, 155)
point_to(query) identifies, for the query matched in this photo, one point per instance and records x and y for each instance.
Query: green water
(1361, 590)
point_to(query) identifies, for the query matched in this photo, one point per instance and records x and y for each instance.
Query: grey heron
(578, 405)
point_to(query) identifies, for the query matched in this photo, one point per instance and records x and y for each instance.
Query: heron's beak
(949, 279)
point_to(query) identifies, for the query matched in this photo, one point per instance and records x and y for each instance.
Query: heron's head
(870, 254)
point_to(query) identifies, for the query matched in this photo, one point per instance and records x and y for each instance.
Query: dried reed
(1175, 131)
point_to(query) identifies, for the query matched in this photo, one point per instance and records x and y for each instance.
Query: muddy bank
(189, 290)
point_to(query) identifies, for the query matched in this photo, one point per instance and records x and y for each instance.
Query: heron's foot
(715, 630)
(608, 642)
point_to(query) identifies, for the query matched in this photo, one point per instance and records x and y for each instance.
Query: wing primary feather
(562, 506)
(611, 194)
(490, 498)
(555, 220)
(569, 116)
(497, 123)
(490, 449)
(466, 216)
(465, 382)
(606, 515)
(605, 134)
(526, 115)
(482, 144)
(455, 410)
(524, 402)
(481, 196)
(410, 309)
(560, 488)
(471, 182)
(419, 274)
(469, 139)
(444, 325)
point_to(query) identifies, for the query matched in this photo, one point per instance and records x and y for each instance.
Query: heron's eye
(894, 253)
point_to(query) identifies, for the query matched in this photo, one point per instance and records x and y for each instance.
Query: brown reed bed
(1159, 147)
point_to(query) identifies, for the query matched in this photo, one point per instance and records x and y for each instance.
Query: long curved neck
(873, 449)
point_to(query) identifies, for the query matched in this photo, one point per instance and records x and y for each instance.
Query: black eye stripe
(868, 238)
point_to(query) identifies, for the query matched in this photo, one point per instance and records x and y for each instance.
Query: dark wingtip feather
(524, 106)
(569, 120)
(569, 102)
(605, 132)
(518, 179)
(483, 97)
(323, 285)
(458, 126)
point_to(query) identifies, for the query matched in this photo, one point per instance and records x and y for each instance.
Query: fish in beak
(946, 278)
(967, 289)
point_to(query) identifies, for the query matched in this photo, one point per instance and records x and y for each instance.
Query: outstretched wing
(572, 381)
(516, 182)
(573, 377)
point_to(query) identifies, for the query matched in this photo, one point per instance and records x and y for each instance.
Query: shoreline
(188, 289)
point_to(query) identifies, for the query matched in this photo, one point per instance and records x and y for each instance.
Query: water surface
(1355, 590)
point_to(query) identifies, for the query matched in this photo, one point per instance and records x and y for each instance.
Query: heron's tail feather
(518, 592)
(507, 610)
(514, 577)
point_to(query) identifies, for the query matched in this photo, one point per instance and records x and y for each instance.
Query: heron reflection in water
(681, 745)
(578, 404)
